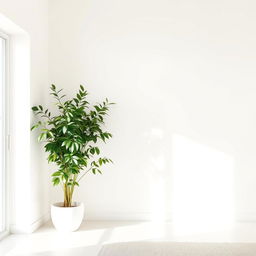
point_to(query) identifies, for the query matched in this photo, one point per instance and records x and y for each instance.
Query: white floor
(93, 234)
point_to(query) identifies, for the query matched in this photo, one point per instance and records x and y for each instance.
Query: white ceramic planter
(67, 218)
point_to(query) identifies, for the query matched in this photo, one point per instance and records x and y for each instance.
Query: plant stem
(84, 174)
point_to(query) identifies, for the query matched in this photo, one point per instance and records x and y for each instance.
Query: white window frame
(6, 137)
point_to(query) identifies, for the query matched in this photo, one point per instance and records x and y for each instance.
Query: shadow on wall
(198, 192)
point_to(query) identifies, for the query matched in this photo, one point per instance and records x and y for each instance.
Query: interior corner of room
(182, 77)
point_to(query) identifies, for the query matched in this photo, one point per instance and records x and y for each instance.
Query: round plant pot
(67, 218)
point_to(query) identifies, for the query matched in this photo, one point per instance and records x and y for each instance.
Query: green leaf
(34, 127)
(51, 135)
(65, 176)
(58, 173)
(94, 164)
(56, 181)
(74, 161)
(64, 129)
(71, 147)
(74, 171)
(76, 145)
(78, 96)
(82, 88)
(35, 108)
(67, 143)
(97, 108)
(42, 136)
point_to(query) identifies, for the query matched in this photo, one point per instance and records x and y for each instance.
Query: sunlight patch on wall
(157, 181)
(202, 191)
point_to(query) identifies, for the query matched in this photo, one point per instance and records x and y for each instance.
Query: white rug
(178, 249)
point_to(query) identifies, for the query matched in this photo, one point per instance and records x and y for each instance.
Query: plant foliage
(71, 138)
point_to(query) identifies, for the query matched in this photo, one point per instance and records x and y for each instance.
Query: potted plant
(71, 140)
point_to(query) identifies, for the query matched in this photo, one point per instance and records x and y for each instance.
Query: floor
(93, 234)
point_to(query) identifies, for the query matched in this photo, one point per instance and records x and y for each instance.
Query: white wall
(26, 22)
(183, 76)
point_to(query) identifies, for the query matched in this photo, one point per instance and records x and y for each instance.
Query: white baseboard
(242, 216)
(29, 228)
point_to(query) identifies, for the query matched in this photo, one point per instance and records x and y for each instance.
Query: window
(3, 135)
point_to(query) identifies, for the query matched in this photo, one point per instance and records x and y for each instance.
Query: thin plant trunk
(68, 194)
